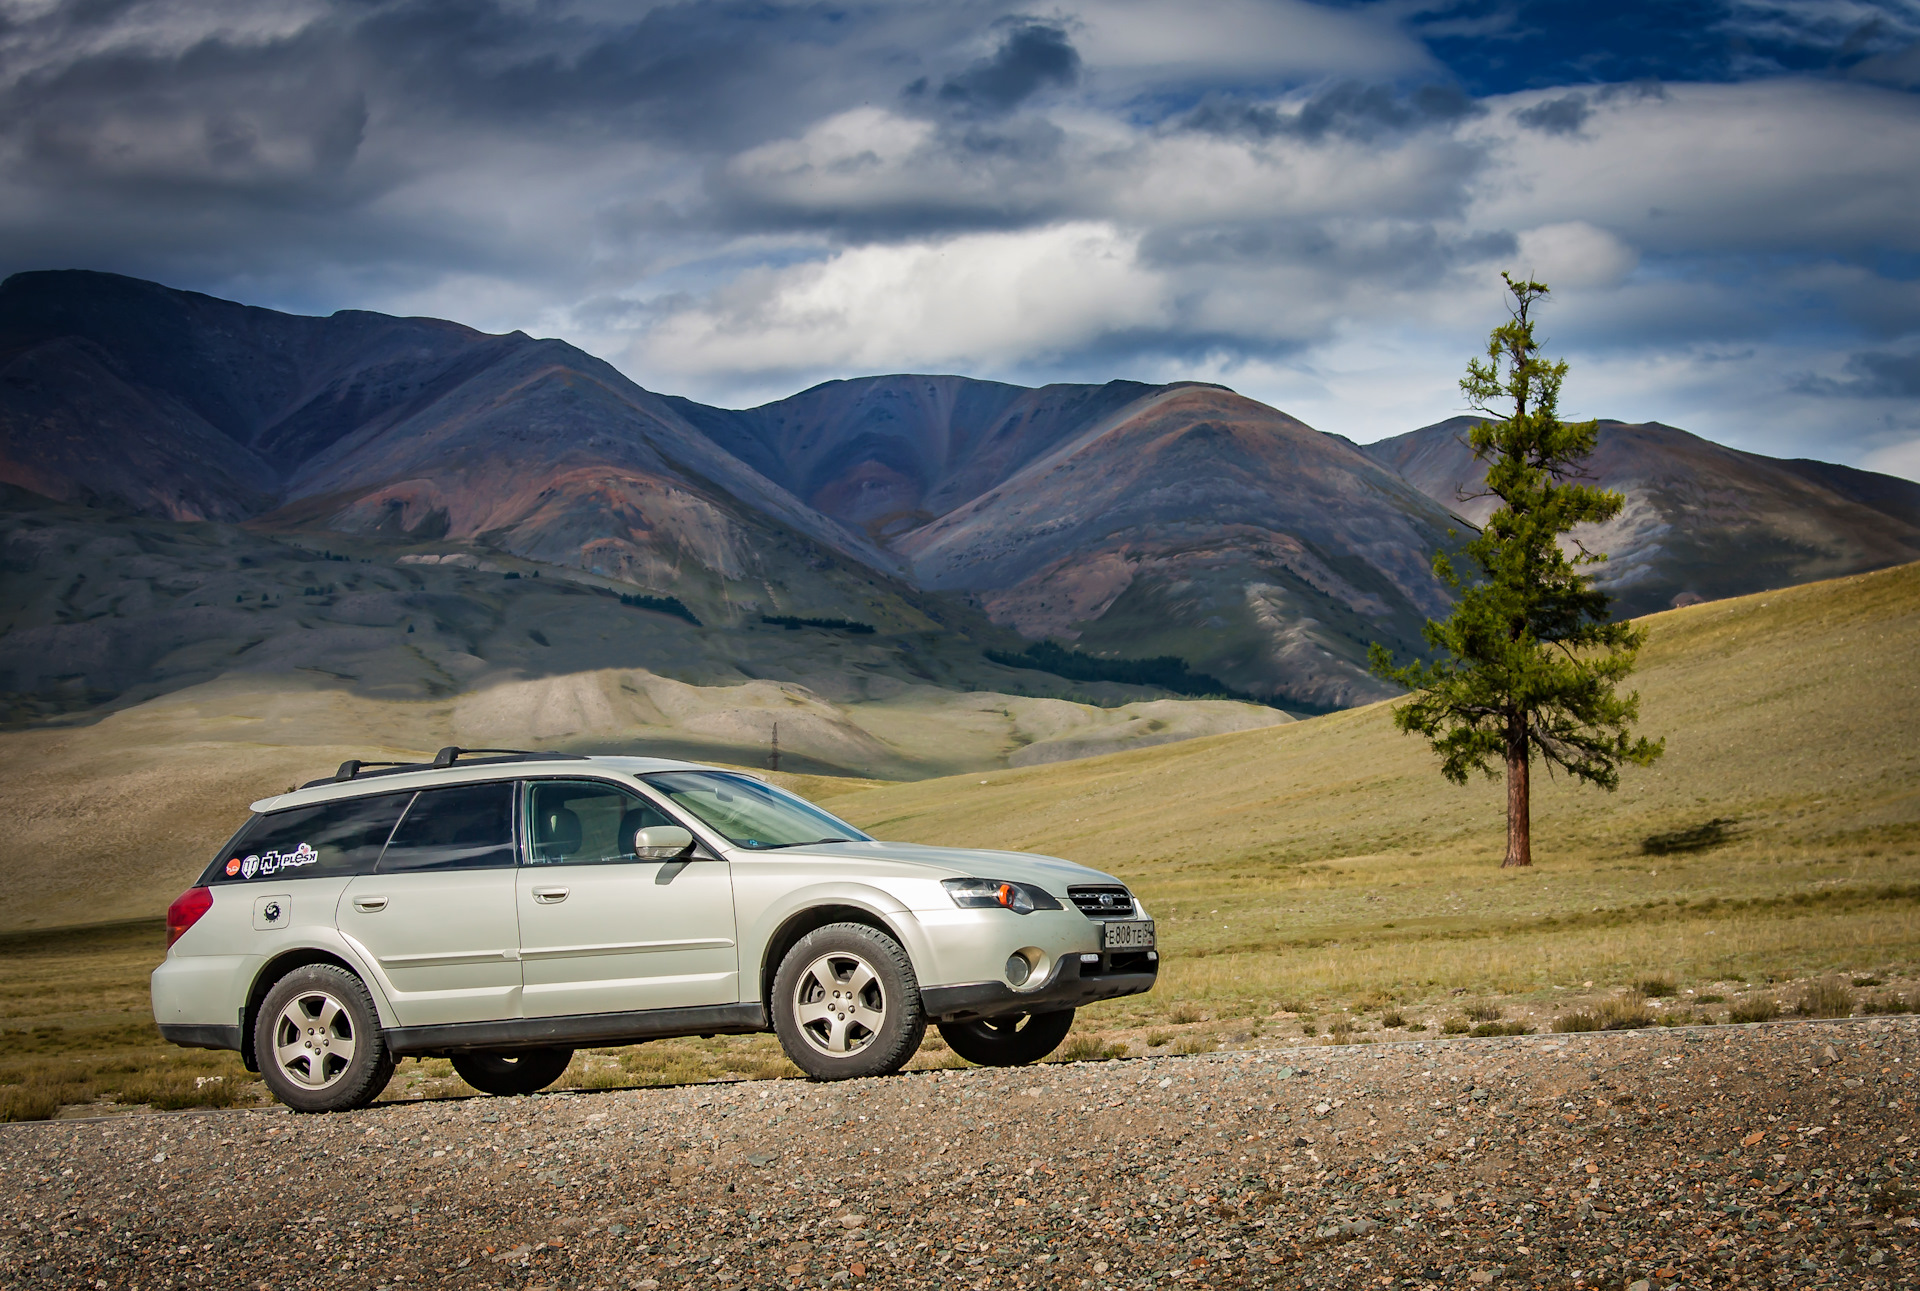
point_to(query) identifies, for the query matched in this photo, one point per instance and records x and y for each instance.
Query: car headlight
(991, 894)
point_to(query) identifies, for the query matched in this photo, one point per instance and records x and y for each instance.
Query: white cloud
(1896, 459)
(982, 299)
(1235, 39)
(1575, 254)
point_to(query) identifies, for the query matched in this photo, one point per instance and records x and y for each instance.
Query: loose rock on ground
(1775, 1155)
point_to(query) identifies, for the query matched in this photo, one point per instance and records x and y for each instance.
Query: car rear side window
(329, 840)
(461, 827)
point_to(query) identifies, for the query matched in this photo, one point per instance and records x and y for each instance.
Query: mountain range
(189, 475)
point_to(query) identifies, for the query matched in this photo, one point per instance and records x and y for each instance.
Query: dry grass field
(1324, 867)
(1320, 879)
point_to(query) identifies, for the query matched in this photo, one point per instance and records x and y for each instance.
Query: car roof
(480, 772)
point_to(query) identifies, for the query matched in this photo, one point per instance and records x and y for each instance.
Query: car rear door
(436, 917)
(604, 932)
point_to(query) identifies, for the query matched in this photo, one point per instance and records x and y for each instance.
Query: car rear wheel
(846, 1003)
(1010, 1041)
(317, 1039)
(523, 1071)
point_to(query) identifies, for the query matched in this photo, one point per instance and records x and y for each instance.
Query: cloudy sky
(1310, 202)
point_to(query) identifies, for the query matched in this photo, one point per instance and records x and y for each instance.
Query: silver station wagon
(502, 908)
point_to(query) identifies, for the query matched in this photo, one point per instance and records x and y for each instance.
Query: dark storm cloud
(1877, 374)
(1399, 254)
(690, 75)
(1348, 110)
(1032, 56)
(1564, 115)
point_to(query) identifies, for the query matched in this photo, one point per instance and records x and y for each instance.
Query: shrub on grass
(1185, 1012)
(1157, 1038)
(1393, 1018)
(1891, 1002)
(1622, 1013)
(1755, 1008)
(1483, 1012)
(1416, 1026)
(1658, 988)
(1826, 998)
(1090, 1048)
(1501, 1028)
(170, 1093)
(28, 1103)
(1711, 999)
(1696, 838)
(1308, 1028)
(1194, 1044)
(1869, 981)
(1341, 1031)
(1456, 1026)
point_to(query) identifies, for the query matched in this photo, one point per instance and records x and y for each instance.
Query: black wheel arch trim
(811, 918)
(1064, 988)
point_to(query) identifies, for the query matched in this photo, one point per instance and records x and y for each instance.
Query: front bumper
(1065, 988)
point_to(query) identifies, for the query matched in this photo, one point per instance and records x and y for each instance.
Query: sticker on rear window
(273, 862)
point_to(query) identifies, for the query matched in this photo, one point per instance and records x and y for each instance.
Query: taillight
(186, 911)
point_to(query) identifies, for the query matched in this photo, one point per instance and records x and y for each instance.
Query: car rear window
(461, 827)
(330, 840)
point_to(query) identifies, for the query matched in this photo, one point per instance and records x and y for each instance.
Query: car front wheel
(1008, 1042)
(317, 1039)
(523, 1071)
(846, 1003)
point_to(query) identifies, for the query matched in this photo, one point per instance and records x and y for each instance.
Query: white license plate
(1127, 936)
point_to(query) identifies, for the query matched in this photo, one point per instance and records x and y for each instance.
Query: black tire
(1009, 1041)
(317, 1040)
(873, 1030)
(523, 1071)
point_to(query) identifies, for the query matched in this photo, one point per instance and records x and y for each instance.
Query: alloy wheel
(839, 1004)
(313, 1040)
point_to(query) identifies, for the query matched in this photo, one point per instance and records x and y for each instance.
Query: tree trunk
(1519, 800)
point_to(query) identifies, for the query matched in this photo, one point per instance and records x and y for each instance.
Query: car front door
(436, 917)
(603, 931)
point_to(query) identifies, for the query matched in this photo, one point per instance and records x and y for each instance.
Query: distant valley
(410, 512)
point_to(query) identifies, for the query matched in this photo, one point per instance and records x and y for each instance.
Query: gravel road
(1770, 1155)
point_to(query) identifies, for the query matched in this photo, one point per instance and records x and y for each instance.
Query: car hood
(1047, 872)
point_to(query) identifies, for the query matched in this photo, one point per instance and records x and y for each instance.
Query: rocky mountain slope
(183, 466)
(1701, 521)
(1131, 519)
(186, 407)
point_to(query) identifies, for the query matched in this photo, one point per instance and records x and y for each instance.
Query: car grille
(1106, 901)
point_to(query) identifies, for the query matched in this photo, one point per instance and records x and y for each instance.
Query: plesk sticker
(274, 862)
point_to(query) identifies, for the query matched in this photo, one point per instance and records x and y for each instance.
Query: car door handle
(549, 896)
(369, 905)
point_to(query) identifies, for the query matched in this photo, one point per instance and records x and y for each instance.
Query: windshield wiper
(768, 847)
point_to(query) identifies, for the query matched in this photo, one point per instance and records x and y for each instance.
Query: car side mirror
(662, 842)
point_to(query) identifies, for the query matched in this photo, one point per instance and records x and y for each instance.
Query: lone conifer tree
(1528, 660)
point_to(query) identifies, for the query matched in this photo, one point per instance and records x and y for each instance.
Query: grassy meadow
(1319, 882)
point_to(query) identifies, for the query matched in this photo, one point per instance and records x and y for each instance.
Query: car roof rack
(355, 769)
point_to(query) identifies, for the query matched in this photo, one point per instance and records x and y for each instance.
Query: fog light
(1018, 970)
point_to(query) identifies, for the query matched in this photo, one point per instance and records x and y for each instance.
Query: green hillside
(1326, 863)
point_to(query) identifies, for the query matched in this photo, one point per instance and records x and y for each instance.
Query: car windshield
(749, 813)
